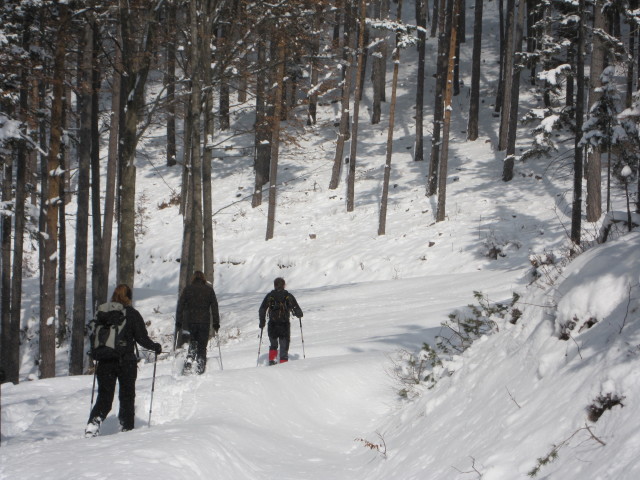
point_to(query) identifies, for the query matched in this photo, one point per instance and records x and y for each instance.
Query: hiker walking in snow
(197, 313)
(278, 303)
(123, 366)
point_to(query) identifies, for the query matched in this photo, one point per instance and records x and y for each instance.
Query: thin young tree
(382, 222)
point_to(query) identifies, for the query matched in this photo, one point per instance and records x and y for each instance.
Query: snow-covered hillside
(498, 411)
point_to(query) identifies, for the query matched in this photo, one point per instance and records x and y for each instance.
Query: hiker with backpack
(197, 313)
(278, 304)
(117, 329)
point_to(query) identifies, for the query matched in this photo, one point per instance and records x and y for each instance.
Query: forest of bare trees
(81, 82)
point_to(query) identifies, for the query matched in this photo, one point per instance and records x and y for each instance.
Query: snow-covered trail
(292, 421)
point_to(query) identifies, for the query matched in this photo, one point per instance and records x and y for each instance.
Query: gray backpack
(106, 337)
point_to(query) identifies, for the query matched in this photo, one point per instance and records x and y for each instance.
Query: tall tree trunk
(452, 27)
(505, 109)
(500, 90)
(275, 135)
(507, 170)
(421, 20)
(378, 64)
(382, 223)
(196, 150)
(76, 360)
(263, 130)
(116, 115)
(49, 261)
(96, 214)
(594, 163)
(5, 260)
(170, 80)
(438, 109)
(315, 67)
(576, 210)
(343, 134)
(207, 128)
(137, 71)
(351, 178)
(474, 99)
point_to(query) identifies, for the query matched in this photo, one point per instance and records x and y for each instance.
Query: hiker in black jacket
(278, 303)
(197, 313)
(124, 369)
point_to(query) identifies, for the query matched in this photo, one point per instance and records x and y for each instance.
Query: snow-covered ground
(334, 411)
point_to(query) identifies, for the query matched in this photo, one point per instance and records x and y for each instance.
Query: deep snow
(495, 410)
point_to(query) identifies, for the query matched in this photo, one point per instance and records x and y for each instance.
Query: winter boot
(272, 357)
(93, 427)
(284, 360)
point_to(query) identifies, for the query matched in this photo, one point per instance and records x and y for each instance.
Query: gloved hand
(261, 325)
(157, 348)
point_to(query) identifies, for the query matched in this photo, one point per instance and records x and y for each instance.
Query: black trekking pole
(302, 337)
(259, 346)
(153, 387)
(93, 389)
(219, 351)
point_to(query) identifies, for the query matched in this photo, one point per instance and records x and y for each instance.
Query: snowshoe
(93, 428)
(272, 362)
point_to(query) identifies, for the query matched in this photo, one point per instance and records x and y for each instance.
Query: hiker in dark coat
(124, 369)
(278, 303)
(197, 313)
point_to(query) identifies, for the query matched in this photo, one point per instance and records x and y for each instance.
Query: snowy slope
(509, 399)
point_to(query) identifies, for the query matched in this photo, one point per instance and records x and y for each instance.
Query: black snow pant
(125, 372)
(279, 333)
(198, 340)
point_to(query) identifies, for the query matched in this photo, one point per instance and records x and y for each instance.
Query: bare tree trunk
(594, 163)
(474, 99)
(137, 72)
(76, 360)
(263, 130)
(5, 259)
(96, 214)
(275, 138)
(505, 109)
(507, 170)
(112, 166)
(196, 151)
(170, 80)
(438, 109)
(378, 64)
(382, 223)
(49, 261)
(343, 134)
(576, 210)
(421, 14)
(207, 208)
(351, 179)
(315, 68)
(452, 27)
(12, 317)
